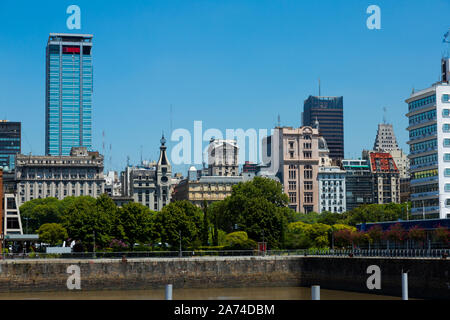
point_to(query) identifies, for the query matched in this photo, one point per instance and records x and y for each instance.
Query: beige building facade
(299, 160)
(204, 188)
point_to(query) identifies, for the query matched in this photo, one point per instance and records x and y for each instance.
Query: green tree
(297, 235)
(310, 217)
(258, 207)
(205, 227)
(376, 213)
(239, 241)
(330, 218)
(318, 234)
(37, 212)
(179, 216)
(82, 218)
(52, 233)
(135, 224)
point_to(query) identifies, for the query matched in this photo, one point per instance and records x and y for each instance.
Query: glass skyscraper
(329, 113)
(9, 143)
(68, 98)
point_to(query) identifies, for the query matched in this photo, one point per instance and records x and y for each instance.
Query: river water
(257, 293)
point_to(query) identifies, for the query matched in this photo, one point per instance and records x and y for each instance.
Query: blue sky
(230, 63)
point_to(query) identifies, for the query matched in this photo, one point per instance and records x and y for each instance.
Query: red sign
(262, 246)
(71, 50)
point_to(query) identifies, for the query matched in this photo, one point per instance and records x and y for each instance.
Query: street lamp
(181, 253)
(94, 243)
(26, 224)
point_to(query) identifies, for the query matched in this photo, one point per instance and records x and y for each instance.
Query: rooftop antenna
(141, 153)
(171, 121)
(103, 141)
(279, 121)
(319, 88)
(128, 161)
(384, 115)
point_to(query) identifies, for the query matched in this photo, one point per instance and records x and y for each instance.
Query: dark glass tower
(68, 98)
(10, 138)
(329, 112)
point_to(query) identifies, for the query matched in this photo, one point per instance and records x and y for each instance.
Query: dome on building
(323, 144)
(192, 168)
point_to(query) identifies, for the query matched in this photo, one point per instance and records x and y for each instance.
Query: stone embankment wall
(428, 278)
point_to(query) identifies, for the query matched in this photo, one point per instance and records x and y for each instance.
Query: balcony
(423, 165)
(426, 209)
(422, 180)
(422, 136)
(424, 194)
(424, 150)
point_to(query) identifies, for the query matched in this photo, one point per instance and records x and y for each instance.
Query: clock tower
(163, 176)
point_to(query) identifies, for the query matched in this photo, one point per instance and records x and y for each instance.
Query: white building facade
(332, 189)
(429, 142)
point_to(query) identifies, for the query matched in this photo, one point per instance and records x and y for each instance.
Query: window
(447, 157)
(308, 172)
(447, 187)
(447, 172)
(447, 202)
(446, 127)
(446, 113)
(292, 185)
(446, 142)
(292, 172)
(308, 197)
(308, 185)
(292, 197)
(446, 98)
(307, 155)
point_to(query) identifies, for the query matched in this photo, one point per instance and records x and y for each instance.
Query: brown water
(260, 293)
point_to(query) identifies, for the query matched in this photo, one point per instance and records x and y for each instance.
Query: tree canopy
(258, 207)
(52, 233)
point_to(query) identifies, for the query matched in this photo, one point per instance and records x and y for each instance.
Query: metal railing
(381, 253)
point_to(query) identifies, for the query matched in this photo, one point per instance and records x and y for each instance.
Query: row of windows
(335, 209)
(421, 117)
(423, 146)
(424, 174)
(425, 159)
(424, 131)
(308, 197)
(421, 102)
(426, 188)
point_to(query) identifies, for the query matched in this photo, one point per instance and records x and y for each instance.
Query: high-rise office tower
(328, 112)
(10, 137)
(68, 97)
(429, 143)
(385, 141)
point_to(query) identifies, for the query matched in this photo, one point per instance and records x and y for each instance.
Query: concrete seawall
(428, 278)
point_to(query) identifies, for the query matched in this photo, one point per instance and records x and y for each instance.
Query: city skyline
(189, 65)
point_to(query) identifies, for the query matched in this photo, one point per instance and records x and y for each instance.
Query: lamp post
(94, 243)
(181, 253)
(26, 224)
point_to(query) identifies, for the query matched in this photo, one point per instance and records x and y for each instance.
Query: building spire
(163, 156)
(319, 88)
